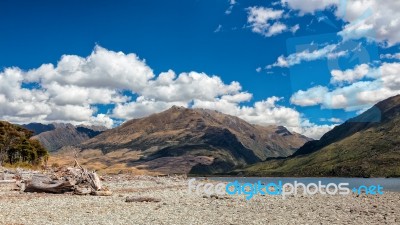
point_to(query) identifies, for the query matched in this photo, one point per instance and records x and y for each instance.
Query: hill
(197, 141)
(365, 146)
(57, 135)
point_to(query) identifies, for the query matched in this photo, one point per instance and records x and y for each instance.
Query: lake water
(388, 184)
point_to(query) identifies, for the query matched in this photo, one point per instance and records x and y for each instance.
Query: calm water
(388, 184)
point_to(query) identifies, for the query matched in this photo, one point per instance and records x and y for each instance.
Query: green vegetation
(367, 149)
(17, 149)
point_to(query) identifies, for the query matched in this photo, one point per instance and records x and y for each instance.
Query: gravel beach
(175, 206)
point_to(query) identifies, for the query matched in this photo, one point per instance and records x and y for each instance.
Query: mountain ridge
(364, 146)
(57, 135)
(195, 135)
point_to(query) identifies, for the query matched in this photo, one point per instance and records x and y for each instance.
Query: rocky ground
(172, 205)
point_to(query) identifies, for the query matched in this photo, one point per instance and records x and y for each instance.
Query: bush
(16, 147)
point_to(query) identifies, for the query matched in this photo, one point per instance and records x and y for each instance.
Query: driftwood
(91, 177)
(82, 190)
(42, 183)
(75, 179)
(8, 185)
(142, 199)
(102, 193)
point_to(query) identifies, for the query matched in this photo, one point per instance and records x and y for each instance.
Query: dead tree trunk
(41, 183)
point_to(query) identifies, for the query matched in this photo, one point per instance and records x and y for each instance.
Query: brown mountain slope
(64, 135)
(195, 140)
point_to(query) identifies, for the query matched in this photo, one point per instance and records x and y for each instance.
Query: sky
(304, 64)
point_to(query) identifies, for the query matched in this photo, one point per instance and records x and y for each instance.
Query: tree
(16, 145)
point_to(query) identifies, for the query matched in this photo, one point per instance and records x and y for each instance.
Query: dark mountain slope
(367, 145)
(58, 135)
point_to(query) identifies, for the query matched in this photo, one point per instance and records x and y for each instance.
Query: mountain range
(365, 146)
(198, 141)
(201, 141)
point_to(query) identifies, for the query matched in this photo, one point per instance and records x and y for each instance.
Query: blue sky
(307, 65)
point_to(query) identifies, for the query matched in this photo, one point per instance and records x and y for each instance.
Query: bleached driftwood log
(72, 179)
(90, 177)
(42, 183)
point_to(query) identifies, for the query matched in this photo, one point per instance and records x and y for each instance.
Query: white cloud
(349, 75)
(267, 112)
(100, 120)
(275, 29)
(71, 90)
(327, 52)
(313, 130)
(262, 19)
(372, 19)
(310, 97)
(332, 120)
(232, 3)
(218, 29)
(335, 120)
(295, 28)
(309, 6)
(102, 69)
(383, 83)
(390, 56)
(68, 91)
(188, 86)
(142, 107)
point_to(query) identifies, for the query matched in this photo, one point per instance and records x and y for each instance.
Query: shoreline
(176, 206)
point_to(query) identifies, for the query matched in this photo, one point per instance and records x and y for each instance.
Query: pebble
(178, 207)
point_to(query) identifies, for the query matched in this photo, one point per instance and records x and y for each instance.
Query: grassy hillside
(373, 151)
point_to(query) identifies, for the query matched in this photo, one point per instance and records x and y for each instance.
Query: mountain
(367, 145)
(16, 145)
(199, 141)
(57, 135)
(38, 128)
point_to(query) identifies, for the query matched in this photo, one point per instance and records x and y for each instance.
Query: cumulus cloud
(313, 130)
(142, 107)
(188, 86)
(264, 21)
(71, 91)
(349, 75)
(382, 82)
(372, 19)
(327, 52)
(102, 69)
(267, 112)
(310, 97)
(68, 91)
